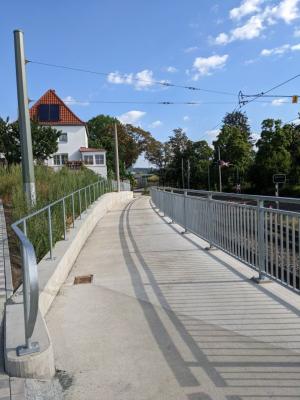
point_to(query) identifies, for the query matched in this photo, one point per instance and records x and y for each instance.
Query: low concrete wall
(52, 274)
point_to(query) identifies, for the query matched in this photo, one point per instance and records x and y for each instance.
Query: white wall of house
(100, 169)
(76, 138)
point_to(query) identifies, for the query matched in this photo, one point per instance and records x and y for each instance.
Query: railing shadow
(244, 341)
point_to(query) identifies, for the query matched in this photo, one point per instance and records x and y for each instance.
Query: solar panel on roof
(48, 112)
(54, 112)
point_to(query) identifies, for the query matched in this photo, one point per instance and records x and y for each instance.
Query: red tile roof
(66, 116)
(90, 149)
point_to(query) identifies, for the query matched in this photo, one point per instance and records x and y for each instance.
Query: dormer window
(48, 112)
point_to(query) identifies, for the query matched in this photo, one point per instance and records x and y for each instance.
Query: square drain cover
(83, 279)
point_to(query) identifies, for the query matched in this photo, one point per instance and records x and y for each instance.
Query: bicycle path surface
(165, 319)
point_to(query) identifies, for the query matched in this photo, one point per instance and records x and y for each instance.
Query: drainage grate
(83, 279)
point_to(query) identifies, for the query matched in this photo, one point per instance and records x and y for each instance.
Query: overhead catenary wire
(262, 94)
(137, 102)
(153, 82)
(257, 96)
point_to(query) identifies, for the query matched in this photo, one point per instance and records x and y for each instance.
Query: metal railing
(249, 228)
(66, 210)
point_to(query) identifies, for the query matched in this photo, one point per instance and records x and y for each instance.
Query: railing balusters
(50, 232)
(73, 210)
(64, 217)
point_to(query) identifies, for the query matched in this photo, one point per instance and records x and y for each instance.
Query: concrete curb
(52, 274)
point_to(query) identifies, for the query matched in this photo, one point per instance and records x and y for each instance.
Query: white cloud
(171, 69)
(155, 124)
(287, 10)
(191, 49)
(141, 80)
(205, 66)
(247, 7)
(211, 134)
(280, 50)
(146, 79)
(118, 79)
(251, 29)
(186, 118)
(69, 100)
(222, 38)
(284, 10)
(131, 117)
(278, 102)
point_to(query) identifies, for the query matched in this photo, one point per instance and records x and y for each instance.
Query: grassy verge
(50, 186)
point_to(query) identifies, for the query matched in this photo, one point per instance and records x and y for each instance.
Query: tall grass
(50, 186)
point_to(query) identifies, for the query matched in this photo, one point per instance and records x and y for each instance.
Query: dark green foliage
(50, 186)
(236, 146)
(132, 141)
(44, 141)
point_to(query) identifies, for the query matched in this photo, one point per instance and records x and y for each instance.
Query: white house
(50, 110)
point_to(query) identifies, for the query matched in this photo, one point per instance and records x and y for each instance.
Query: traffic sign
(279, 178)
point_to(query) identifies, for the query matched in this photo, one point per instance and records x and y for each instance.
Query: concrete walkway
(166, 320)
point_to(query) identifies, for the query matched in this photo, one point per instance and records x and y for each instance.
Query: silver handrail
(29, 260)
(30, 291)
(266, 239)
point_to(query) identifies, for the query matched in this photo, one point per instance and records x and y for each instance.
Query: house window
(63, 138)
(60, 159)
(99, 159)
(48, 112)
(88, 160)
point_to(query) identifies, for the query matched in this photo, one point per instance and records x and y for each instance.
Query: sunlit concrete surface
(165, 319)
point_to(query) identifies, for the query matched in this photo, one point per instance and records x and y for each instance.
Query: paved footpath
(166, 320)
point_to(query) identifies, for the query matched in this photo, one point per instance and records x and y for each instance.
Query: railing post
(25, 227)
(73, 210)
(79, 202)
(261, 242)
(64, 217)
(172, 202)
(185, 211)
(210, 226)
(85, 199)
(50, 232)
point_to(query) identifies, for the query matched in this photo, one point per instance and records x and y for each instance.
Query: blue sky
(228, 45)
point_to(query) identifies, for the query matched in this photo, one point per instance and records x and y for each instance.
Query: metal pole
(24, 120)
(117, 159)
(220, 171)
(261, 241)
(208, 175)
(189, 173)
(277, 194)
(185, 211)
(182, 173)
(210, 224)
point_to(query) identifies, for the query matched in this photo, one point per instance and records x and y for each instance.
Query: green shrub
(50, 186)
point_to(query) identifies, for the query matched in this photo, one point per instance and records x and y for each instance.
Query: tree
(274, 152)
(236, 146)
(177, 151)
(178, 147)
(199, 156)
(159, 155)
(44, 141)
(132, 140)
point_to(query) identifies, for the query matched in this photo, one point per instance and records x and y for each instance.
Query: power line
(270, 90)
(162, 83)
(259, 95)
(269, 95)
(198, 103)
